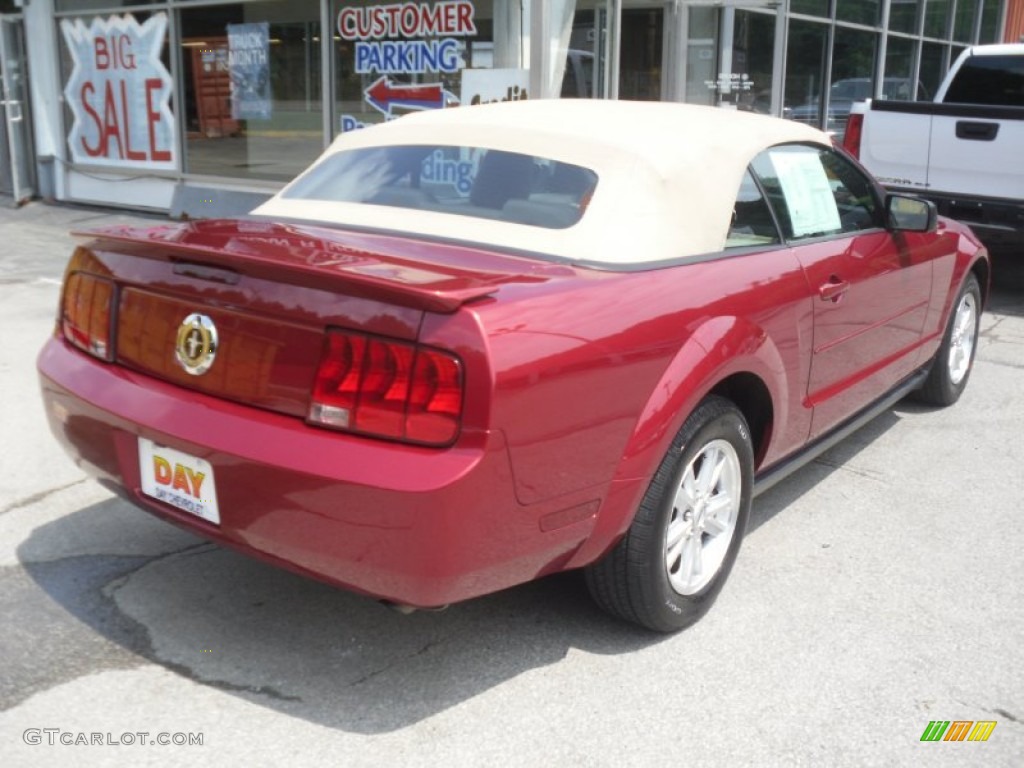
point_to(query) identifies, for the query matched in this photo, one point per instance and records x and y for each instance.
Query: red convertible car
(470, 348)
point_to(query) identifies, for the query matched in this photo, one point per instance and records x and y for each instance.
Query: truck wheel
(953, 362)
(670, 566)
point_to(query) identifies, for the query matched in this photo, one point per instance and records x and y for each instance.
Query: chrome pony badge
(197, 344)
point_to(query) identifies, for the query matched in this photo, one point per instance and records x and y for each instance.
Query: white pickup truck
(964, 151)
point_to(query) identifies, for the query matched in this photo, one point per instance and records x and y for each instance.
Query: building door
(16, 155)
(725, 56)
(642, 36)
(751, 45)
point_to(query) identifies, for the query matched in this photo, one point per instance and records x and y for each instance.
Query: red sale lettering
(110, 127)
(152, 118)
(129, 153)
(115, 53)
(87, 91)
(114, 129)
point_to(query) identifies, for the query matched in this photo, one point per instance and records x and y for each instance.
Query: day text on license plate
(179, 479)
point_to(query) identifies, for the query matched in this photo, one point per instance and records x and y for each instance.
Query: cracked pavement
(879, 588)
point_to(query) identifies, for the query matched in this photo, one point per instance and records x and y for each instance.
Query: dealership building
(201, 107)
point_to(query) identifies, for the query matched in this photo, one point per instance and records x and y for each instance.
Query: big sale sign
(119, 93)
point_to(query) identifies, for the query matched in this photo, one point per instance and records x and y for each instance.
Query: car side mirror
(911, 214)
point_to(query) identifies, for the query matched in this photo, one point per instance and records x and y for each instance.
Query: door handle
(974, 131)
(833, 289)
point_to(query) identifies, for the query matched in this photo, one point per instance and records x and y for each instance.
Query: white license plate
(179, 479)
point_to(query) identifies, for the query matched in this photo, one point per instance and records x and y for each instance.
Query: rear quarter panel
(594, 375)
(968, 255)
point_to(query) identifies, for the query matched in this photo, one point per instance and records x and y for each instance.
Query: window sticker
(812, 206)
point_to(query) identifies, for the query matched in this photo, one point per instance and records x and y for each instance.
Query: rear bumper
(997, 223)
(417, 526)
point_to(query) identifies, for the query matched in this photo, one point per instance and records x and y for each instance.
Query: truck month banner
(119, 93)
(249, 65)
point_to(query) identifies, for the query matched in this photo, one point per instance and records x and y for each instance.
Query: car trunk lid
(272, 291)
(431, 276)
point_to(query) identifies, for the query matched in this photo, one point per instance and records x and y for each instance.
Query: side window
(989, 80)
(752, 222)
(816, 192)
(854, 194)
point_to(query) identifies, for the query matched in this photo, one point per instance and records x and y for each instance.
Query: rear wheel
(670, 566)
(953, 362)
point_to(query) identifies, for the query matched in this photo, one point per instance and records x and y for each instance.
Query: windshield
(466, 181)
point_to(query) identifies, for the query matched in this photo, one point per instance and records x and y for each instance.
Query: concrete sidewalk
(35, 239)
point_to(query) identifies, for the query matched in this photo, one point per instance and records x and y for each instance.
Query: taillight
(387, 388)
(86, 314)
(854, 129)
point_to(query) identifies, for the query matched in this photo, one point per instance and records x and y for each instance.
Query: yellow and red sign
(179, 479)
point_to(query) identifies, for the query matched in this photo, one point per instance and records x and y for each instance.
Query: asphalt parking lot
(878, 589)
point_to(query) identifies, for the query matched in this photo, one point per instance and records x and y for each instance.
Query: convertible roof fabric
(668, 174)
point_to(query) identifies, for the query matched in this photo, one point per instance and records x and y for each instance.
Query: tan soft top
(668, 174)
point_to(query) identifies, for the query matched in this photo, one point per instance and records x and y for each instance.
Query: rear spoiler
(417, 274)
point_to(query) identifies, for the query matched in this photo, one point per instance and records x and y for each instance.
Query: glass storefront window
(936, 18)
(702, 56)
(806, 59)
(859, 11)
(810, 7)
(933, 66)
(251, 88)
(753, 57)
(990, 13)
(583, 50)
(963, 21)
(899, 71)
(441, 55)
(643, 31)
(903, 15)
(247, 97)
(853, 74)
(93, 5)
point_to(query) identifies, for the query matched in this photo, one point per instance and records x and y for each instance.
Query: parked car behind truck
(964, 151)
(841, 97)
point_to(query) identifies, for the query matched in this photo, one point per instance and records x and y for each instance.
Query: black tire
(634, 581)
(952, 365)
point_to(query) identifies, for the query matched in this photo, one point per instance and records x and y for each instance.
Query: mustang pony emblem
(196, 346)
